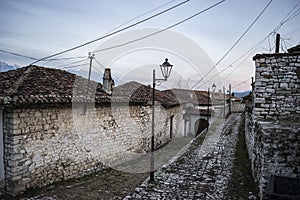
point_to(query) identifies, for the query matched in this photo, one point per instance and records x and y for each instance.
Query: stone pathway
(200, 174)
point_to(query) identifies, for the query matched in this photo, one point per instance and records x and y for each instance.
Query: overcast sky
(39, 28)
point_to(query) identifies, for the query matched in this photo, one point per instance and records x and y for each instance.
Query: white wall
(1, 149)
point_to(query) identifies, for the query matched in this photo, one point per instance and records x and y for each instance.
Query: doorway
(200, 125)
(171, 126)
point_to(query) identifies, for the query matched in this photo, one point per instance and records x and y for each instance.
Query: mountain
(241, 94)
(6, 67)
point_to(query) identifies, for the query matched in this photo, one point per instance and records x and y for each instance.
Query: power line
(77, 57)
(250, 53)
(157, 32)
(66, 58)
(72, 66)
(62, 66)
(115, 76)
(290, 16)
(110, 34)
(241, 83)
(138, 17)
(260, 14)
(32, 58)
(286, 19)
(253, 49)
(17, 54)
(69, 58)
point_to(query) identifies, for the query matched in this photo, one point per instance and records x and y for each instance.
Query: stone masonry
(272, 120)
(277, 90)
(48, 144)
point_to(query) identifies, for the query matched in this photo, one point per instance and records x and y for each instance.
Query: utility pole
(252, 83)
(91, 57)
(229, 99)
(277, 43)
(224, 101)
(208, 94)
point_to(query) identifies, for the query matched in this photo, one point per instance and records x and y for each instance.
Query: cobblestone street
(202, 173)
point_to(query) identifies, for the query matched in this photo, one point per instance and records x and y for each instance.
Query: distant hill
(6, 67)
(241, 94)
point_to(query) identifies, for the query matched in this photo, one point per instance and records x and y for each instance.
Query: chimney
(108, 82)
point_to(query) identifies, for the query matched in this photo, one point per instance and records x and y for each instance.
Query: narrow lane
(199, 174)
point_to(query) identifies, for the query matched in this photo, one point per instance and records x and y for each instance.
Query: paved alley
(202, 173)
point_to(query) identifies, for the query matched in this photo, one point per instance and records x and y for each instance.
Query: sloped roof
(35, 85)
(188, 96)
(295, 49)
(138, 93)
(40, 85)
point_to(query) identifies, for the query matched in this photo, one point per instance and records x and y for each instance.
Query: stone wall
(272, 120)
(280, 151)
(277, 88)
(45, 145)
(249, 129)
(237, 107)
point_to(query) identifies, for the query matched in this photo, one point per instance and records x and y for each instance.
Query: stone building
(272, 119)
(195, 108)
(55, 125)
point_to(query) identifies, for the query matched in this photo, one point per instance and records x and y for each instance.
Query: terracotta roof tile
(136, 92)
(295, 49)
(188, 96)
(40, 85)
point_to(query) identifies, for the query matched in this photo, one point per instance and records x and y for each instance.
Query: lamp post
(208, 102)
(214, 87)
(165, 68)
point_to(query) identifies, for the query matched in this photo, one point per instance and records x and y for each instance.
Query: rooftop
(137, 92)
(291, 52)
(40, 85)
(35, 85)
(188, 96)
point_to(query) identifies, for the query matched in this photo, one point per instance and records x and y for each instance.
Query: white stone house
(53, 127)
(195, 108)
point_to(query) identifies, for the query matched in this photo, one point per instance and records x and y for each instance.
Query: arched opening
(200, 125)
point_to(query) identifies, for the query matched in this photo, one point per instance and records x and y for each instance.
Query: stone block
(259, 100)
(270, 90)
(259, 89)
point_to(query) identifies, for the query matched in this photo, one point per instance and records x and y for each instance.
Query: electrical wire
(115, 76)
(137, 17)
(157, 32)
(291, 15)
(17, 54)
(260, 14)
(32, 58)
(240, 83)
(249, 52)
(56, 59)
(62, 66)
(72, 66)
(110, 34)
(66, 58)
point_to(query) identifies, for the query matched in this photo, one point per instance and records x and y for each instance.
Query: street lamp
(165, 68)
(214, 87)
